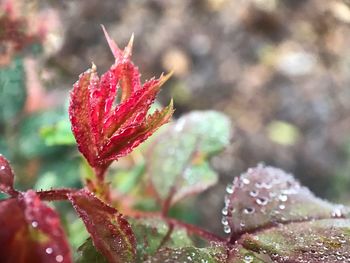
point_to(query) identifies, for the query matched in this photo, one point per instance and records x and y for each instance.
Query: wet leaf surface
(272, 218)
(326, 240)
(181, 151)
(186, 254)
(110, 232)
(31, 232)
(266, 197)
(89, 254)
(6, 177)
(152, 234)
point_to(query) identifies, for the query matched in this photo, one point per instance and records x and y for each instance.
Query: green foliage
(151, 235)
(58, 133)
(30, 143)
(181, 153)
(88, 254)
(12, 90)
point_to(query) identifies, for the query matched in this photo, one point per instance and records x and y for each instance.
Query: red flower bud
(105, 132)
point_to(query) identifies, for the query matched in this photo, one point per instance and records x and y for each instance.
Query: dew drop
(224, 211)
(224, 221)
(59, 258)
(281, 207)
(35, 224)
(248, 258)
(254, 193)
(261, 201)
(249, 210)
(2, 167)
(49, 250)
(245, 181)
(227, 229)
(283, 197)
(229, 189)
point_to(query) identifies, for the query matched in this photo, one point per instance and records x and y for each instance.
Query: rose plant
(267, 215)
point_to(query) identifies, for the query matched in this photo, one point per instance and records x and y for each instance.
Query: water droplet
(227, 229)
(254, 193)
(49, 250)
(248, 258)
(224, 211)
(281, 207)
(249, 210)
(245, 180)
(35, 224)
(283, 198)
(262, 201)
(224, 221)
(229, 189)
(59, 258)
(2, 167)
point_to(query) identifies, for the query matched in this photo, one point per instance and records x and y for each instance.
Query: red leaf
(6, 177)
(31, 232)
(124, 142)
(103, 132)
(79, 114)
(110, 232)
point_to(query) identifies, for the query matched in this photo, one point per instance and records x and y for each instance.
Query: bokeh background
(280, 69)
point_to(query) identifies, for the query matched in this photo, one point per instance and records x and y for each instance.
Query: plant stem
(56, 194)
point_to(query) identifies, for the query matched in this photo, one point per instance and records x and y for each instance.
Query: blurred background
(280, 69)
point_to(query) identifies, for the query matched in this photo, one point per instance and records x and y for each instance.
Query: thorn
(128, 48)
(112, 45)
(163, 78)
(93, 66)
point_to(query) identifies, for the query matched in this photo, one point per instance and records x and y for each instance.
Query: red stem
(56, 194)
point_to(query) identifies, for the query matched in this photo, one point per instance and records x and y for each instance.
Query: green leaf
(151, 235)
(88, 254)
(181, 151)
(187, 255)
(127, 180)
(272, 218)
(267, 196)
(59, 172)
(12, 90)
(59, 133)
(326, 240)
(31, 144)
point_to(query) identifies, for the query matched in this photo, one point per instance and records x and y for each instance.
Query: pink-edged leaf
(6, 177)
(267, 196)
(79, 114)
(125, 141)
(31, 232)
(109, 230)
